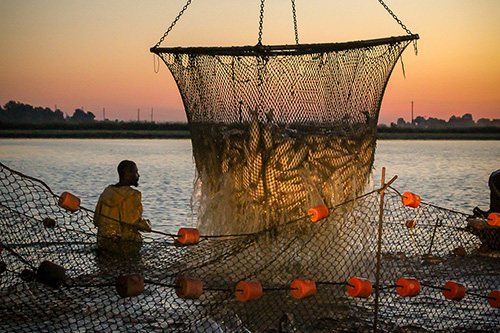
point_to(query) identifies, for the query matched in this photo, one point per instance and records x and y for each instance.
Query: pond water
(451, 174)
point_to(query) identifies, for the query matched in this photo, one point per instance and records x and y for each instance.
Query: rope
(156, 69)
(18, 256)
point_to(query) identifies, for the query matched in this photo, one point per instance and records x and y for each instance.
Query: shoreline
(185, 134)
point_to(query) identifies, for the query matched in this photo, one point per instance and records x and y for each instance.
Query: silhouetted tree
(464, 121)
(80, 116)
(15, 112)
(420, 121)
(402, 123)
(436, 123)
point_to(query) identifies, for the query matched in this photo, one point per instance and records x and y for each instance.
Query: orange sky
(95, 54)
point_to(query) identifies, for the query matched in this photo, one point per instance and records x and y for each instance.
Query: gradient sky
(95, 54)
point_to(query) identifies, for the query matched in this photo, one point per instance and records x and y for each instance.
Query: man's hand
(145, 225)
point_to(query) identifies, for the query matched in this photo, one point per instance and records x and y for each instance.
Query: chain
(261, 21)
(173, 23)
(295, 23)
(395, 17)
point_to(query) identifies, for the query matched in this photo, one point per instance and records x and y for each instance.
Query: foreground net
(53, 279)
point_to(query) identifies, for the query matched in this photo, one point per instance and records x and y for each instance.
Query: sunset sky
(95, 54)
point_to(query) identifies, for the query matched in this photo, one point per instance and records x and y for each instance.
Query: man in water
(494, 184)
(118, 215)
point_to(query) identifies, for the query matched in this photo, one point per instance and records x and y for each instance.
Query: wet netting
(382, 260)
(277, 129)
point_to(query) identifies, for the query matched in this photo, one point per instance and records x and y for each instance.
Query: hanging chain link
(261, 21)
(295, 23)
(395, 17)
(173, 23)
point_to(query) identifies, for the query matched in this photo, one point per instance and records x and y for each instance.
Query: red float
(51, 274)
(494, 299)
(248, 291)
(129, 285)
(453, 290)
(303, 288)
(69, 202)
(188, 288)
(494, 219)
(188, 236)
(317, 213)
(357, 287)
(411, 200)
(408, 287)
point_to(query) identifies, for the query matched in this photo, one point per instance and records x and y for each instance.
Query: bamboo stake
(383, 187)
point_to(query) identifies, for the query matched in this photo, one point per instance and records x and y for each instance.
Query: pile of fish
(264, 173)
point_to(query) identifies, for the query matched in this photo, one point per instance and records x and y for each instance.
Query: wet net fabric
(275, 131)
(438, 247)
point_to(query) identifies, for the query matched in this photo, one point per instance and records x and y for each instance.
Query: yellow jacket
(120, 204)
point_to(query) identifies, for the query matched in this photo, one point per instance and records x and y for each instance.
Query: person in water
(494, 184)
(118, 214)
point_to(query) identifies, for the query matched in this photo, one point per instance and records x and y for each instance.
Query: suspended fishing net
(278, 129)
(53, 278)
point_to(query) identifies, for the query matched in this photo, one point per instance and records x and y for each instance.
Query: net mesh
(276, 130)
(439, 247)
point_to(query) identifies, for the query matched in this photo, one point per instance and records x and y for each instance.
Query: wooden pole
(383, 187)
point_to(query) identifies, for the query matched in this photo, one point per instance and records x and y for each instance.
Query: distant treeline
(454, 122)
(98, 125)
(15, 115)
(19, 116)
(15, 112)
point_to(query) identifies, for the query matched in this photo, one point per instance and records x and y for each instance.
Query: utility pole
(412, 112)
(103, 113)
(151, 114)
(138, 115)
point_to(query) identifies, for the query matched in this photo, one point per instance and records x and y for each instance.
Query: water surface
(451, 174)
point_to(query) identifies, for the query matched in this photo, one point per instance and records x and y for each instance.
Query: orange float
(248, 291)
(357, 287)
(494, 219)
(303, 288)
(317, 213)
(188, 288)
(411, 200)
(494, 299)
(453, 290)
(129, 285)
(408, 287)
(188, 236)
(69, 202)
